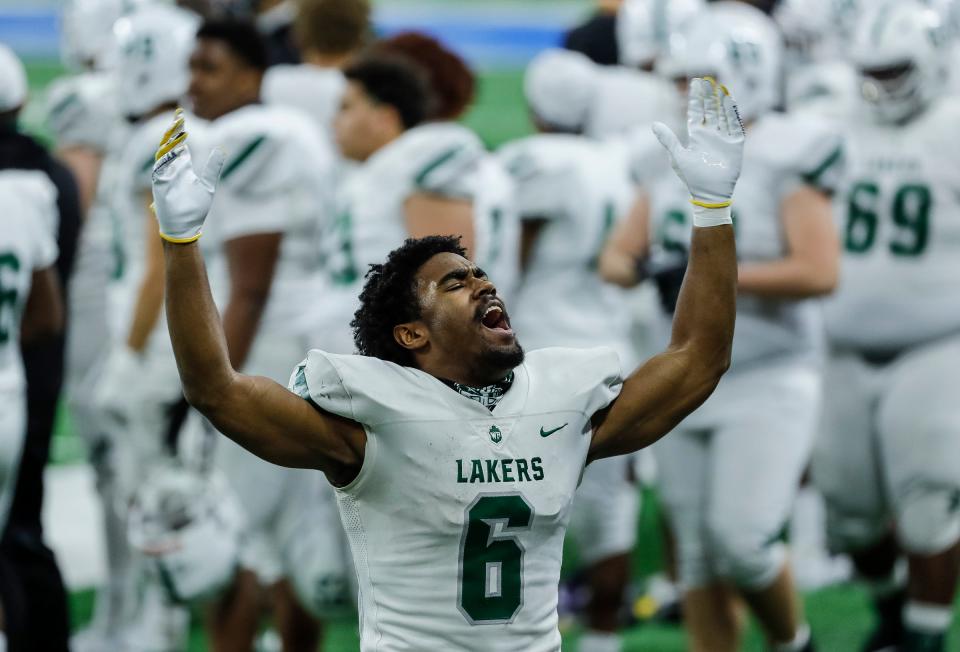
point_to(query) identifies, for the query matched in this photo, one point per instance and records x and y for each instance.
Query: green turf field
(839, 616)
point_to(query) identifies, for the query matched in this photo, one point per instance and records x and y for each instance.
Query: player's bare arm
(149, 301)
(658, 395)
(43, 315)
(257, 413)
(628, 243)
(811, 267)
(251, 262)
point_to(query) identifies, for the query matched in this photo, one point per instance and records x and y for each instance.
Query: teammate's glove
(116, 390)
(710, 163)
(181, 199)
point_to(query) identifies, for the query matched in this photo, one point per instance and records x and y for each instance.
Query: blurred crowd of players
(340, 145)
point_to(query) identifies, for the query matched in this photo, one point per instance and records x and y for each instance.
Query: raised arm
(257, 413)
(671, 385)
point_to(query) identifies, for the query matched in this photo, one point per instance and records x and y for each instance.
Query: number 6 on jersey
(491, 558)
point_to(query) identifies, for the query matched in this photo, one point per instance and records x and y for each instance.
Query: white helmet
(153, 49)
(815, 30)
(644, 27)
(560, 86)
(87, 32)
(739, 45)
(898, 53)
(188, 526)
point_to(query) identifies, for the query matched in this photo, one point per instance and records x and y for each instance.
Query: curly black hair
(389, 297)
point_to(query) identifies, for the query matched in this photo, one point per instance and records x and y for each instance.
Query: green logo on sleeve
(547, 433)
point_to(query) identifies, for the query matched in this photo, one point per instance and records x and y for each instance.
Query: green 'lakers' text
(506, 470)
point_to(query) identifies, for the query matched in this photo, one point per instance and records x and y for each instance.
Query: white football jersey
(278, 178)
(579, 189)
(314, 90)
(627, 98)
(441, 158)
(781, 153)
(27, 243)
(456, 520)
(899, 211)
(129, 191)
(81, 111)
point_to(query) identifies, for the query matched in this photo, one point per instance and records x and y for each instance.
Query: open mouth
(494, 318)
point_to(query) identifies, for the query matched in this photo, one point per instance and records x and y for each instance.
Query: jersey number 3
(491, 558)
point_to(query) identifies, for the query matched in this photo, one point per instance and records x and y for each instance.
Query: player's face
(464, 315)
(359, 124)
(219, 81)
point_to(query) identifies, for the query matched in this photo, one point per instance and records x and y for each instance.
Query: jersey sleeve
(42, 196)
(441, 159)
(364, 389)
(592, 378)
(539, 187)
(79, 112)
(807, 149)
(261, 168)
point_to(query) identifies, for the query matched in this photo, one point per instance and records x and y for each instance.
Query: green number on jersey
(910, 212)
(346, 272)
(8, 297)
(862, 217)
(491, 561)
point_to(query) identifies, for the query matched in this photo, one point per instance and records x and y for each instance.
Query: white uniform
(760, 422)
(627, 98)
(314, 90)
(27, 243)
(890, 447)
(456, 519)
(441, 158)
(81, 112)
(578, 188)
(277, 178)
(143, 429)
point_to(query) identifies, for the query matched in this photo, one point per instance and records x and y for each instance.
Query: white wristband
(703, 217)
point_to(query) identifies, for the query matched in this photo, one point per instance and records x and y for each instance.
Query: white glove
(181, 199)
(710, 163)
(121, 377)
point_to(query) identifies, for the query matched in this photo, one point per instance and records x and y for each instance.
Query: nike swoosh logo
(547, 433)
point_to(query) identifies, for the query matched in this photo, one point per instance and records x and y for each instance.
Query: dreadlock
(389, 297)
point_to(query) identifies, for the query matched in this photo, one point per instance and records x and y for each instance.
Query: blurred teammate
(329, 33)
(262, 249)
(818, 74)
(138, 392)
(41, 210)
(455, 494)
(889, 460)
(644, 28)
(571, 191)
(731, 470)
(451, 88)
(88, 132)
(414, 179)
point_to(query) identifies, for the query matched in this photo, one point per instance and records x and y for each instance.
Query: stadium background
(497, 37)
